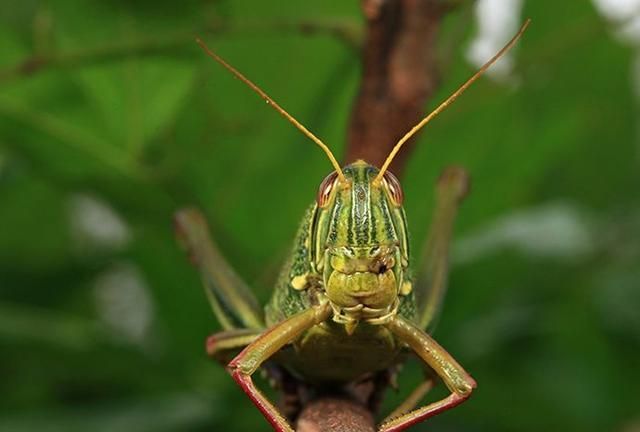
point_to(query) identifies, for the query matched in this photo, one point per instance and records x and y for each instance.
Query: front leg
(454, 376)
(266, 345)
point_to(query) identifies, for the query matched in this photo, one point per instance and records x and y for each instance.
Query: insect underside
(345, 307)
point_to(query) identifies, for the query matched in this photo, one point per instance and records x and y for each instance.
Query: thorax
(326, 353)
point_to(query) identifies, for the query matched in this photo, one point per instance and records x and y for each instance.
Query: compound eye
(394, 188)
(326, 187)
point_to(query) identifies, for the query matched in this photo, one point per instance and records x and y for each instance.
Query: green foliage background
(130, 113)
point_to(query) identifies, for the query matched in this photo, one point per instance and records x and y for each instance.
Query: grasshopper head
(359, 244)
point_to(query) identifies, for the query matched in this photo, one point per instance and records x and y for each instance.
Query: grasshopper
(345, 305)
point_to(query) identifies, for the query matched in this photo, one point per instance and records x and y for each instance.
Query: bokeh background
(111, 118)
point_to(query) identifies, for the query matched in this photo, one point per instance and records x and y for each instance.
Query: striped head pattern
(359, 243)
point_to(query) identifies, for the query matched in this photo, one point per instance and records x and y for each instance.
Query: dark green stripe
(388, 224)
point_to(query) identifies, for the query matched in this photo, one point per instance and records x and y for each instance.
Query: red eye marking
(326, 187)
(394, 188)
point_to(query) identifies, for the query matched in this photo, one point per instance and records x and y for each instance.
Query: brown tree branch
(399, 76)
(337, 415)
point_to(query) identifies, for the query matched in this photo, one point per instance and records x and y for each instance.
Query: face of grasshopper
(359, 244)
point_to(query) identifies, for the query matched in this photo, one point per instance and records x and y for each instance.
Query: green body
(360, 217)
(344, 306)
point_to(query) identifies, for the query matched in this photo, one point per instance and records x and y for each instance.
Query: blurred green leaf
(550, 332)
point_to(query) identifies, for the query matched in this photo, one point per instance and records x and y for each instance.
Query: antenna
(275, 106)
(449, 100)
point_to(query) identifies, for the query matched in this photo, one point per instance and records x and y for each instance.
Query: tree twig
(345, 31)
